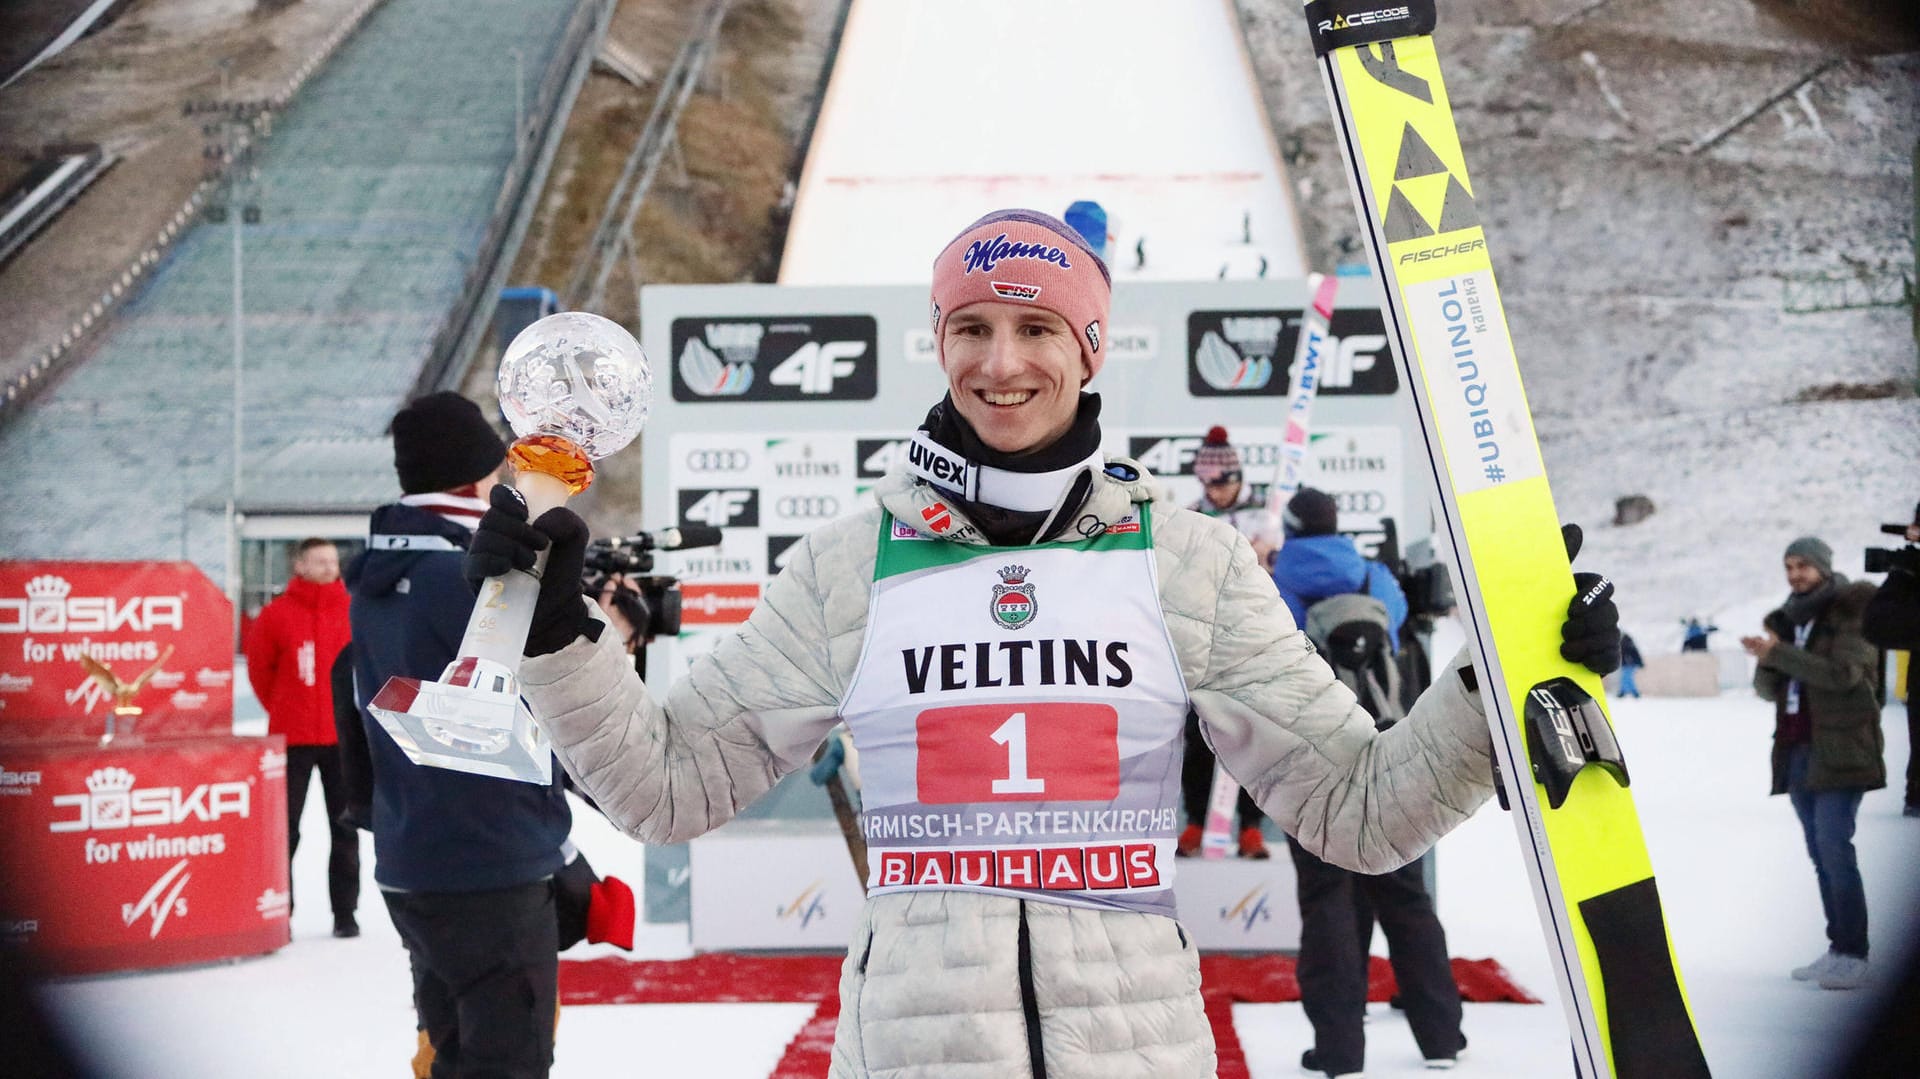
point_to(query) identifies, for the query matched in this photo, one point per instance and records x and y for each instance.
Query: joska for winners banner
(126, 616)
(134, 856)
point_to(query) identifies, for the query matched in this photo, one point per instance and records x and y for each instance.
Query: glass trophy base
(487, 732)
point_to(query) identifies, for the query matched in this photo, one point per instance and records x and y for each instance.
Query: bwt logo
(718, 461)
(50, 608)
(809, 905)
(1251, 910)
(112, 802)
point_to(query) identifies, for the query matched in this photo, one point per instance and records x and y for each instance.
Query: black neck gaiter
(1004, 527)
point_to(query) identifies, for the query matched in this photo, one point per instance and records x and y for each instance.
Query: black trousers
(1337, 910)
(486, 969)
(1913, 732)
(343, 860)
(1196, 781)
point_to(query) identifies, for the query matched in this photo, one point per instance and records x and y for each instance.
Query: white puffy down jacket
(942, 984)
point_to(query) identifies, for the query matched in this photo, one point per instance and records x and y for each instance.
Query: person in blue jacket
(466, 863)
(1338, 906)
(1316, 562)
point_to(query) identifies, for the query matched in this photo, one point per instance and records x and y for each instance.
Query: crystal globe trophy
(575, 388)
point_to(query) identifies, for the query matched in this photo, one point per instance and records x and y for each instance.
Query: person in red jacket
(290, 651)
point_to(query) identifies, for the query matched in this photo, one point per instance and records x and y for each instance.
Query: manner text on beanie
(1815, 551)
(1311, 512)
(1216, 457)
(1024, 256)
(441, 441)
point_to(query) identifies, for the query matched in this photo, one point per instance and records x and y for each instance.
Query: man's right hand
(505, 541)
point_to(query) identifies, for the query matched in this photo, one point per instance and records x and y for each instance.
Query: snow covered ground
(1737, 884)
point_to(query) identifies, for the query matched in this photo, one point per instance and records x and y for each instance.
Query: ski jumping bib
(1019, 713)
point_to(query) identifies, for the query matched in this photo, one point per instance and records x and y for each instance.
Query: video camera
(1894, 560)
(652, 603)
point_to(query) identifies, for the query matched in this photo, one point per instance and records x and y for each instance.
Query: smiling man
(1015, 636)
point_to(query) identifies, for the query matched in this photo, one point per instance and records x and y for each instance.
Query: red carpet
(723, 978)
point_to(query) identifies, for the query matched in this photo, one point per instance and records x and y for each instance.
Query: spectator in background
(290, 654)
(465, 862)
(1892, 620)
(1224, 494)
(1338, 906)
(1819, 671)
(1630, 661)
(1694, 637)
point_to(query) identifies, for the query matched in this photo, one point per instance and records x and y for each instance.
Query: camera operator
(640, 605)
(1892, 621)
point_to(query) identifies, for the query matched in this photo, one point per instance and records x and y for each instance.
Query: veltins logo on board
(1013, 603)
(1248, 353)
(775, 358)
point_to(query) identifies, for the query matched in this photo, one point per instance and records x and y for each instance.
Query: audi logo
(807, 506)
(718, 460)
(1359, 501)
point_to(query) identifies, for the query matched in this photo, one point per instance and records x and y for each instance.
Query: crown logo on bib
(1013, 603)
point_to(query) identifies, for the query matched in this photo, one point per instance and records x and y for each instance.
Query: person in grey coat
(1014, 636)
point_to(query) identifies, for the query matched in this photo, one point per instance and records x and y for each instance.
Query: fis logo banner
(1248, 353)
(799, 358)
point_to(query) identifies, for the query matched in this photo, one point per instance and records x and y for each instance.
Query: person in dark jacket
(1630, 663)
(1819, 672)
(1892, 621)
(465, 862)
(290, 654)
(1338, 906)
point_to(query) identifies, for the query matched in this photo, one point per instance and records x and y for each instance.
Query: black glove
(503, 541)
(1591, 633)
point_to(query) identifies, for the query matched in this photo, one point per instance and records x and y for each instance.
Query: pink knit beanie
(1024, 256)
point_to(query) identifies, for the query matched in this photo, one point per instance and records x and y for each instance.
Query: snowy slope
(1738, 888)
(940, 112)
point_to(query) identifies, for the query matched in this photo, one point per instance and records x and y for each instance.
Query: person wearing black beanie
(464, 862)
(441, 442)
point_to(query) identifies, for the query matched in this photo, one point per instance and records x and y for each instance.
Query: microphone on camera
(678, 538)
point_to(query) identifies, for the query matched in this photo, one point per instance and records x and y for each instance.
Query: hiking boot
(1812, 971)
(345, 926)
(1845, 972)
(1310, 1062)
(1253, 844)
(1189, 844)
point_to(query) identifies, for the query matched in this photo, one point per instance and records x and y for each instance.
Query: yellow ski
(1593, 882)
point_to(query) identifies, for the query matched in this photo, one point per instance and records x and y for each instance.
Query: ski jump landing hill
(383, 197)
(939, 112)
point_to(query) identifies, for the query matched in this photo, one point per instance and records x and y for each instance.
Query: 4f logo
(161, 902)
(813, 367)
(1013, 602)
(721, 507)
(1345, 357)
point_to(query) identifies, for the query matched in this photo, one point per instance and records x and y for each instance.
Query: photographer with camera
(639, 604)
(1892, 621)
